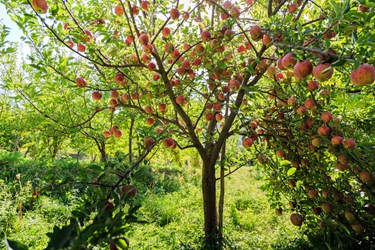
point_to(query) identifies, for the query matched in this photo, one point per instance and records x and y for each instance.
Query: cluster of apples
(308, 145)
(114, 131)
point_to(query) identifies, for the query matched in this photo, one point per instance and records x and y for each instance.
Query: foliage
(278, 73)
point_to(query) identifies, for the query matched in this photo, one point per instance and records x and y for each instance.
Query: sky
(15, 32)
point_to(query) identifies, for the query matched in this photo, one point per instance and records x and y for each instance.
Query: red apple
(143, 39)
(168, 142)
(174, 13)
(302, 69)
(162, 107)
(289, 60)
(119, 11)
(363, 75)
(206, 35)
(147, 142)
(145, 5)
(349, 143)
(327, 207)
(97, 96)
(128, 190)
(209, 117)
(256, 33)
(336, 140)
(81, 47)
(323, 72)
(119, 78)
(150, 121)
(297, 219)
(326, 117)
(180, 100)
(247, 142)
(81, 82)
(324, 130)
(40, 6)
(118, 134)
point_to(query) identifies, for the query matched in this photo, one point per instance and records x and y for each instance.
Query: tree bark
(209, 205)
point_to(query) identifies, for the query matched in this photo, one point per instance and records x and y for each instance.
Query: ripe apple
(174, 13)
(336, 140)
(128, 190)
(326, 116)
(165, 32)
(366, 177)
(280, 153)
(180, 100)
(162, 107)
(342, 159)
(312, 193)
(266, 39)
(125, 97)
(97, 96)
(147, 142)
(151, 66)
(113, 102)
(81, 82)
(119, 78)
(149, 110)
(324, 130)
(218, 117)
(107, 134)
(40, 6)
(206, 35)
(115, 94)
(150, 121)
(209, 117)
(280, 64)
(81, 47)
(363, 75)
(168, 142)
(301, 110)
(292, 8)
(256, 33)
(119, 11)
(309, 103)
(341, 167)
(247, 142)
(143, 39)
(289, 60)
(303, 69)
(118, 134)
(145, 5)
(70, 43)
(323, 72)
(349, 143)
(297, 219)
(327, 207)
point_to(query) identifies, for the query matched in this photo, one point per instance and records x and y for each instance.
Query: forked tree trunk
(209, 205)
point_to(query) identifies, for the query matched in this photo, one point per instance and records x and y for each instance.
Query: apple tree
(290, 77)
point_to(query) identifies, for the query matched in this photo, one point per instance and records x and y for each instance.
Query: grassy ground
(170, 196)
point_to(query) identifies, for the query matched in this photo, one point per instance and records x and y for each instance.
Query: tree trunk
(103, 153)
(209, 206)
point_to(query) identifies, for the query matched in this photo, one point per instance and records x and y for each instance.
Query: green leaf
(285, 162)
(291, 171)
